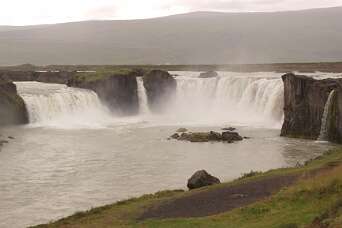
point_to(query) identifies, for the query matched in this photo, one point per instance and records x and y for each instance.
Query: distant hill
(194, 38)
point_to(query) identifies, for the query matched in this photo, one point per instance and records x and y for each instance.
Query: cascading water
(323, 135)
(62, 106)
(143, 100)
(243, 100)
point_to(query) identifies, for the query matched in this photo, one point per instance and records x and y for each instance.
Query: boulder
(231, 136)
(214, 136)
(209, 74)
(175, 136)
(201, 179)
(160, 88)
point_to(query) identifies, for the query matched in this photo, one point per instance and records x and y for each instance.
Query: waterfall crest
(62, 106)
(323, 135)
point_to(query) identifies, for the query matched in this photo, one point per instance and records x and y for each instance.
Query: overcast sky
(25, 12)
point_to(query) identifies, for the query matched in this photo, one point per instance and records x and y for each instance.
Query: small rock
(209, 74)
(182, 130)
(3, 142)
(237, 196)
(247, 137)
(10, 137)
(175, 136)
(201, 179)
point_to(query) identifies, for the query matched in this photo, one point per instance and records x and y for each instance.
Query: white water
(61, 106)
(143, 100)
(248, 99)
(233, 98)
(323, 135)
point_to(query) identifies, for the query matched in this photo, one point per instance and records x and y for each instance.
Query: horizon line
(172, 15)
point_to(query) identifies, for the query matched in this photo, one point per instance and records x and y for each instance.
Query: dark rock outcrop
(209, 74)
(305, 99)
(12, 106)
(230, 136)
(160, 87)
(211, 136)
(116, 90)
(201, 179)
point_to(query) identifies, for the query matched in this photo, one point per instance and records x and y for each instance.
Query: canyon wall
(12, 106)
(305, 99)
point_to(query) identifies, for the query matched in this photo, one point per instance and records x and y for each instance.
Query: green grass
(314, 197)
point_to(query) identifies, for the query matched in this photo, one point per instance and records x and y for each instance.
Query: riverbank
(309, 196)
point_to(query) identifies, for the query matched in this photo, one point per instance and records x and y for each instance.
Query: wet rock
(201, 179)
(231, 136)
(214, 136)
(182, 130)
(10, 137)
(209, 74)
(198, 137)
(211, 136)
(175, 136)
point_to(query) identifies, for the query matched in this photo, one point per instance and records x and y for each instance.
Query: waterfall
(62, 106)
(143, 100)
(323, 135)
(242, 100)
(232, 98)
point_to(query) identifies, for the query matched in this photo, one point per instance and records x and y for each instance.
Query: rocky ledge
(209, 74)
(117, 90)
(212, 136)
(160, 87)
(305, 99)
(12, 106)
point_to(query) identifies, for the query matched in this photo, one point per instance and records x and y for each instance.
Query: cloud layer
(19, 12)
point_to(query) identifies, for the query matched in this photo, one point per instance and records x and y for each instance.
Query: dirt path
(219, 200)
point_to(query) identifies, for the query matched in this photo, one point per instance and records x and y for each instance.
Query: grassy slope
(317, 197)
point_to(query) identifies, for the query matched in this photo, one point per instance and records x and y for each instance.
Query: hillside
(194, 38)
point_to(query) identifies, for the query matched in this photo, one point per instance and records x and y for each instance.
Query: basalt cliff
(12, 106)
(305, 100)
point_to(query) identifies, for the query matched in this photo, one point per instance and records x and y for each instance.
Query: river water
(74, 155)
